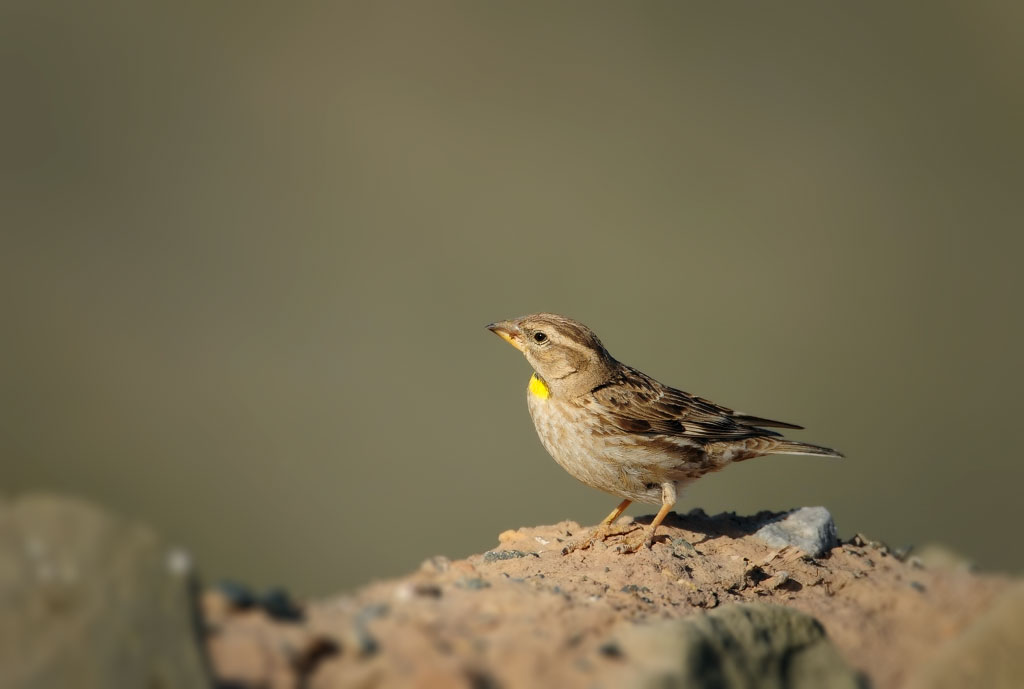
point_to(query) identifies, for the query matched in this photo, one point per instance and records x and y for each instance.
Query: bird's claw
(636, 542)
(573, 546)
(601, 533)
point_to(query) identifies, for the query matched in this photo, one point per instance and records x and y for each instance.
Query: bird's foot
(601, 533)
(636, 541)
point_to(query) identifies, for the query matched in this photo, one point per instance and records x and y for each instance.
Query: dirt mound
(524, 615)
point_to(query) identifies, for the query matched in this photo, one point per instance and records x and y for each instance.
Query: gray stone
(91, 601)
(741, 646)
(810, 529)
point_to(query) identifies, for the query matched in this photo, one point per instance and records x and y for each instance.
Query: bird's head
(566, 354)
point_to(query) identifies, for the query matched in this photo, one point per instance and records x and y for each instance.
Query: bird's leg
(603, 531)
(646, 537)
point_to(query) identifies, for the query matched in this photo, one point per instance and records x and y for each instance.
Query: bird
(617, 429)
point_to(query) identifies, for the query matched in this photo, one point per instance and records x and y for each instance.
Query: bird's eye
(540, 338)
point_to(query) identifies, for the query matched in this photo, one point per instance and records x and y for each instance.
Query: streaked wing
(636, 403)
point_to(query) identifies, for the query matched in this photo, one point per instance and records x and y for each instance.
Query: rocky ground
(774, 600)
(524, 615)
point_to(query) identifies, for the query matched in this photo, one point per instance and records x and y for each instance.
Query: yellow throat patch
(538, 388)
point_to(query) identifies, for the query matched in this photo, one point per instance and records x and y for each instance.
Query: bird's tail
(792, 447)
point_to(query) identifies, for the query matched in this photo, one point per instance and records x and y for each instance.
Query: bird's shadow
(723, 524)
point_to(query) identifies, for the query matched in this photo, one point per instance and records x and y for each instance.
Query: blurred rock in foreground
(989, 654)
(91, 601)
(737, 645)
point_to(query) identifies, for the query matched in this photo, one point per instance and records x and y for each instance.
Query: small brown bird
(619, 430)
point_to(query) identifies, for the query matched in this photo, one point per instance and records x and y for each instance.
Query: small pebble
(903, 553)
(496, 555)
(279, 605)
(438, 564)
(427, 590)
(367, 643)
(319, 648)
(474, 584)
(633, 588)
(238, 595)
(682, 544)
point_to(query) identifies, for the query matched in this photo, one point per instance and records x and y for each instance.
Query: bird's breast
(557, 422)
(568, 434)
(629, 465)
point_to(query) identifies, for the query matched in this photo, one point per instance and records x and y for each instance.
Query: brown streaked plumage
(619, 430)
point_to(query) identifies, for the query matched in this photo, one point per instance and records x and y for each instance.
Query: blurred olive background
(248, 253)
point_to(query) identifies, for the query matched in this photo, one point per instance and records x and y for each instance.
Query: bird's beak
(508, 331)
